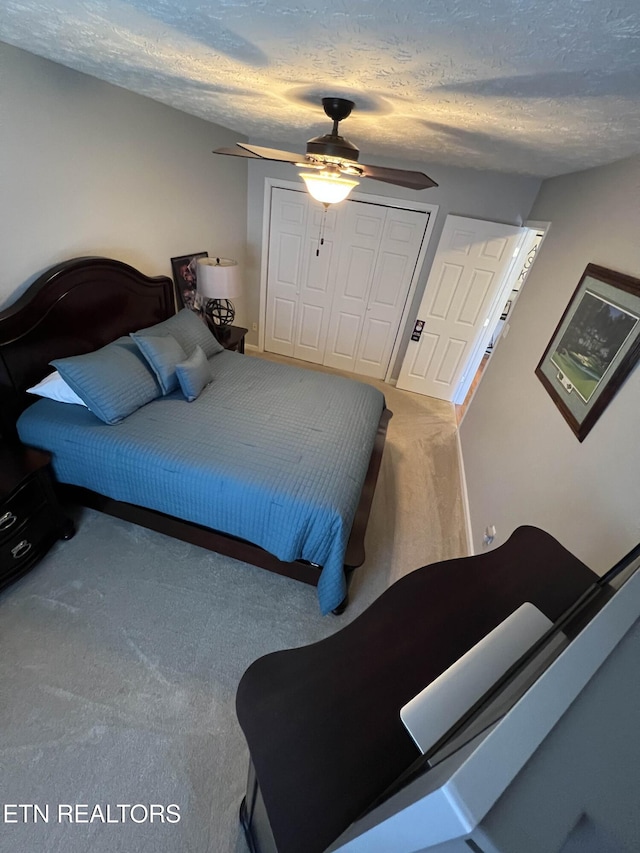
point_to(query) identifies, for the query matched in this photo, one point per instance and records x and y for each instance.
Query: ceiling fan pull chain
(322, 226)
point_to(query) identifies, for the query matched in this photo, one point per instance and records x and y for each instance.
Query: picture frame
(594, 348)
(185, 278)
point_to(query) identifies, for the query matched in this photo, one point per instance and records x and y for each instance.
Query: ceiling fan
(334, 161)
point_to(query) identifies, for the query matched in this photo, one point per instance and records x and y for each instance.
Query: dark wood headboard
(75, 307)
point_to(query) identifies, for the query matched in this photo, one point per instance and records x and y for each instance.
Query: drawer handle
(7, 520)
(21, 549)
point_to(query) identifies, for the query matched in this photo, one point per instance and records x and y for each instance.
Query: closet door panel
(286, 251)
(284, 312)
(316, 282)
(396, 261)
(363, 226)
(345, 336)
(375, 334)
(310, 331)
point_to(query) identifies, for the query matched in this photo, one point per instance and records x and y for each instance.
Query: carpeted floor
(122, 650)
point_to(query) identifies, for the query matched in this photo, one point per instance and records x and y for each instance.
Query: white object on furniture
(430, 714)
(54, 387)
(461, 797)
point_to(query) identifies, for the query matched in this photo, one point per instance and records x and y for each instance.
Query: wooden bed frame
(79, 306)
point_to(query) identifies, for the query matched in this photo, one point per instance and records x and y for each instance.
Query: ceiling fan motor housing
(332, 145)
(332, 155)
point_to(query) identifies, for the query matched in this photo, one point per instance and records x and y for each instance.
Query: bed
(270, 464)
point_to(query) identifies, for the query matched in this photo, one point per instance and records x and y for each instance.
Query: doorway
(474, 271)
(531, 248)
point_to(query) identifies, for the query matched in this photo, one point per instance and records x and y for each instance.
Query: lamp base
(219, 312)
(221, 333)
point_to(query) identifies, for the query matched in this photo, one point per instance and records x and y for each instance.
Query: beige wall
(466, 192)
(523, 463)
(89, 168)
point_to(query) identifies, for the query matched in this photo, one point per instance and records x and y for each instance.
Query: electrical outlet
(254, 327)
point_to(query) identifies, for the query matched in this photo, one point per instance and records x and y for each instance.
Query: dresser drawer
(27, 544)
(19, 507)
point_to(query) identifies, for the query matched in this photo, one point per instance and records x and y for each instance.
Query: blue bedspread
(273, 454)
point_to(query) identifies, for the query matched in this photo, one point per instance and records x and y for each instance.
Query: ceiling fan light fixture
(333, 156)
(326, 187)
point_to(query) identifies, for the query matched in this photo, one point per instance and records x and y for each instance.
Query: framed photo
(594, 348)
(184, 275)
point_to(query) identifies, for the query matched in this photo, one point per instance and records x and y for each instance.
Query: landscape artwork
(586, 351)
(594, 348)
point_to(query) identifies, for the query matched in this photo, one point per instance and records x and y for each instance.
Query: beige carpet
(123, 649)
(417, 515)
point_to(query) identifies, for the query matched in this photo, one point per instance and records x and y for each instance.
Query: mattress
(273, 454)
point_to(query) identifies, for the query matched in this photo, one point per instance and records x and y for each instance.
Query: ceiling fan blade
(399, 177)
(236, 152)
(272, 153)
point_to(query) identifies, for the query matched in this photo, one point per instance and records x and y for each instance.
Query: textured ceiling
(529, 86)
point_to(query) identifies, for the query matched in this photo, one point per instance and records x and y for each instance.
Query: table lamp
(218, 281)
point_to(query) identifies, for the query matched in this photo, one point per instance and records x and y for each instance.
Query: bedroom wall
(466, 192)
(523, 464)
(89, 168)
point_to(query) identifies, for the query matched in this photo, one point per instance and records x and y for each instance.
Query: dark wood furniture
(230, 337)
(82, 304)
(31, 518)
(322, 722)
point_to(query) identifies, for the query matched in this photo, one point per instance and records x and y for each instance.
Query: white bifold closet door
(339, 303)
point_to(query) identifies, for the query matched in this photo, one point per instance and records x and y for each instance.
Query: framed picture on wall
(594, 348)
(184, 275)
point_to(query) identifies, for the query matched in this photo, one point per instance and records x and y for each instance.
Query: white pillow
(54, 387)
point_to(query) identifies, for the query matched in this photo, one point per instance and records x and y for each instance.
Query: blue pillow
(194, 374)
(163, 352)
(190, 331)
(113, 381)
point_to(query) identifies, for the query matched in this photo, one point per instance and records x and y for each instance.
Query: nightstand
(230, 337)
(31, 519)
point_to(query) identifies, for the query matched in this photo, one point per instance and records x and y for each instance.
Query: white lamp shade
(218, 278)
(328, 188)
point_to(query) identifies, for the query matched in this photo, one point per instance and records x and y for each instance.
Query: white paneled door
(299, 293)
(379, 251)
(339, 303)
(464, 289)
